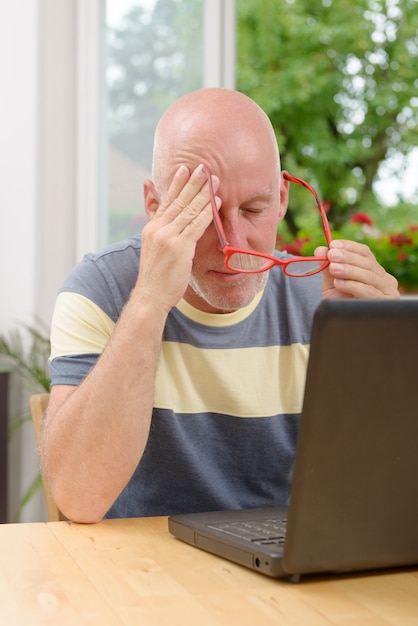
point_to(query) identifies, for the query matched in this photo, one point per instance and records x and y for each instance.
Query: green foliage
(398, 253)
(32, 490)
(339, 83)
(28, 355)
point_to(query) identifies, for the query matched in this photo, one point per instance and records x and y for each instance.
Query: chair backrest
(38, 405)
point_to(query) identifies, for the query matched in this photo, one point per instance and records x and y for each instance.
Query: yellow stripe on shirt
(79, 326)
(244, 382)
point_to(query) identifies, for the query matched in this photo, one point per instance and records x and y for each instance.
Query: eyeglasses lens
(305, 268)
(247, 262)
(243, 262)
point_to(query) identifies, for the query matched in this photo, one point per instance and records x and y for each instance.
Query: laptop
(354, 495)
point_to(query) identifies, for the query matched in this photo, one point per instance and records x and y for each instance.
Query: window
(153, 52)
(76, 125)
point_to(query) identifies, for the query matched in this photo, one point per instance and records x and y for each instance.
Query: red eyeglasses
(252, 262)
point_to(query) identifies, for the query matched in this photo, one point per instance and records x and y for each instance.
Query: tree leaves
(339, 83)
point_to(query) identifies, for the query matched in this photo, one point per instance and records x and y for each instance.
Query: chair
(38, 405)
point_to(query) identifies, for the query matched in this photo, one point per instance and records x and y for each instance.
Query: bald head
(211, 126)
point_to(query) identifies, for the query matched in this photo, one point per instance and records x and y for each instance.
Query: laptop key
(271, 531)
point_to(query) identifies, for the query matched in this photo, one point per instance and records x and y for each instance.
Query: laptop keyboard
(261, 532)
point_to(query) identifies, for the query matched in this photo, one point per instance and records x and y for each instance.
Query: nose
(232, 228)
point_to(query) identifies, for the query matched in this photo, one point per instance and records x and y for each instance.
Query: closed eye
(257, 204)
(255, 209)
(251, 210)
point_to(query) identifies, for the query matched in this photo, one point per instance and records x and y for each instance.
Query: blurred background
(84, 83)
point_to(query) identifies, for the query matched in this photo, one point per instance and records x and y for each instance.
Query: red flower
(295, 247)
(400, 240)
(413, 227)
(402, 256)
(361, 218)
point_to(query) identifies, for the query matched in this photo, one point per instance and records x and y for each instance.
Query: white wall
(18, 214)
(18, 66)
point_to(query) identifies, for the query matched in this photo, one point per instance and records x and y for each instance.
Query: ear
(284, 195)
(151, 198)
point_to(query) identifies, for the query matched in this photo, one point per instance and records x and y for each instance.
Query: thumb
(327, 280)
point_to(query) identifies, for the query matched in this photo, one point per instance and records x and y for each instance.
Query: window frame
(69, 145)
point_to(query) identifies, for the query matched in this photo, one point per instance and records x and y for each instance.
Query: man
(178, 387)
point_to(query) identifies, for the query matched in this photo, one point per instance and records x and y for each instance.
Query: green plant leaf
(33, 488)
(27, 350)
(18, 423)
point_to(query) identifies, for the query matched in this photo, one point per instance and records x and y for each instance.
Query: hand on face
(353, 272)
(169, 238)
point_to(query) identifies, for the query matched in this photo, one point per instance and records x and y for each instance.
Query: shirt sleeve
(80, 330)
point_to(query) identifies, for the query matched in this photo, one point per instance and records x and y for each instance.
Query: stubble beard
(232, 297)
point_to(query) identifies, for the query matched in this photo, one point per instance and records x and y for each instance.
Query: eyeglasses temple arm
(325, 223)
(216, 218)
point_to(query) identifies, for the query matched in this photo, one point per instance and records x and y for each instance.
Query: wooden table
(133, 572)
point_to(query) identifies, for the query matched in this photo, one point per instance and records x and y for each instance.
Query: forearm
(94, 436)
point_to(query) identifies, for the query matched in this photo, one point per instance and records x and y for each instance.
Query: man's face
(250, 212)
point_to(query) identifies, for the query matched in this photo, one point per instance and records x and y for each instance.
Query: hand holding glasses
(252, 262)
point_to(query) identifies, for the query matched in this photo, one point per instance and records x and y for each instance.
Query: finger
(327, 279)
(355, 270)
(351, 257)
(321, 251)
(356, 289)
(347, 247)
(198, 210)
(180, 179)
(187, 195)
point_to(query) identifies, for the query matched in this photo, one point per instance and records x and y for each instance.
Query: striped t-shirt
(228, 391)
